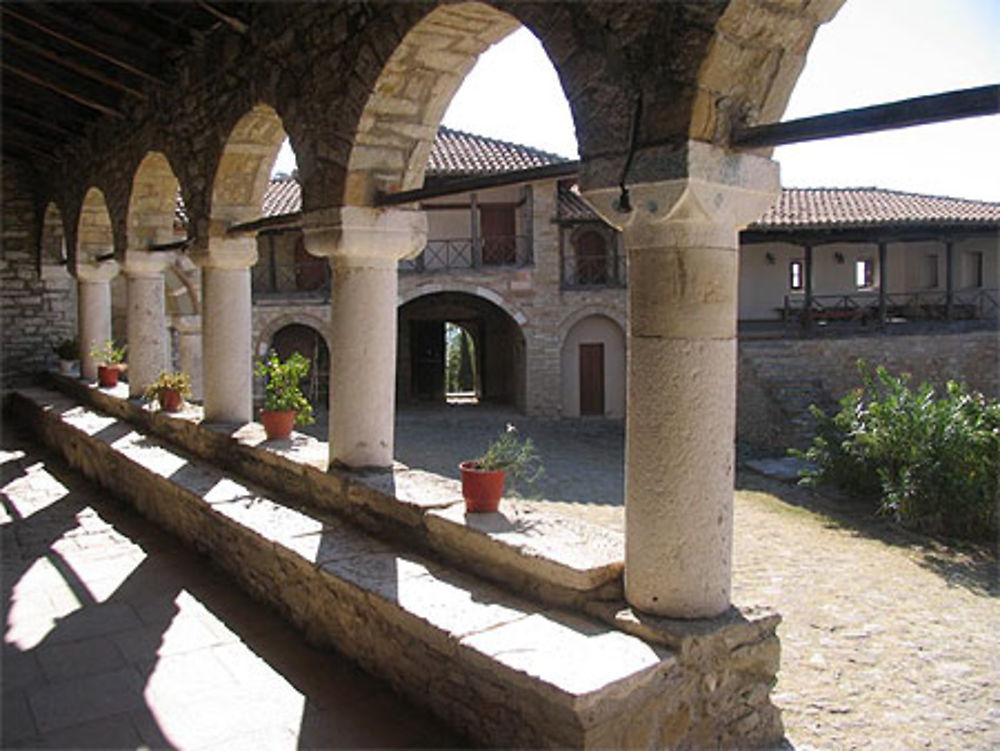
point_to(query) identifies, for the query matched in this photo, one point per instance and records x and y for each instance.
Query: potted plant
(110, 362)
(483, 478)
(68, 352)
(284, 403)
(170, 389)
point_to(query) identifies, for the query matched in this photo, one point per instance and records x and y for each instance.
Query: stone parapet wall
(38, 303)
(501, 667)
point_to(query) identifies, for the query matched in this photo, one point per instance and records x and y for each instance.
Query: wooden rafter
(55, 34)
(39, 122)
(76, 97)
(72, 65)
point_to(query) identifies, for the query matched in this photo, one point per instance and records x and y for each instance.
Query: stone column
(188, 330)
(364, 246)
(94, 310)
(148, 343)
(227, 376)
(681, 237)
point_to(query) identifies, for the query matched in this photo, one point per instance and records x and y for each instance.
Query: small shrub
(931, 461)
(106, 353)
(281, 385)
(515, 455)
(67, 349)
(176, 381)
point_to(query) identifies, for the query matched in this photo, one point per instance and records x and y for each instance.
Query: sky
(873, 51)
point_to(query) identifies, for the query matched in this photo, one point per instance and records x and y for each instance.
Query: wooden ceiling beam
(40, 122)
(72, 65)
(78, 98)
(55, 34)
(231, 21)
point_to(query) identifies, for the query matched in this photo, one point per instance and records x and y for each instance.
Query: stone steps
(505, 668)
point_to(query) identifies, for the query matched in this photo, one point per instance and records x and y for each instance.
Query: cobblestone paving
(888, 641)
(115, 636)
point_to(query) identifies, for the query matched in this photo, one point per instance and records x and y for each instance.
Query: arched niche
(94, 236)
(592, 366)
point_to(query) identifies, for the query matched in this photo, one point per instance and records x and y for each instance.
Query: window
(864, 273)
(796, 275)
(498, 230)
(591, 257)
(930, 271)
(974, 269)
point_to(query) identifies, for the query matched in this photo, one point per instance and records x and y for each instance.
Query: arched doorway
(494, 372)
(308, 342)
(593, 368)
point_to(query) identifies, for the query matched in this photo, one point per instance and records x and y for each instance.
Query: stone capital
(706, 196)
(227, 253)
(96, 272)
(144, 263)
(364, 235)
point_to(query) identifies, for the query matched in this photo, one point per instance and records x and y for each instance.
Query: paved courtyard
(116, 637)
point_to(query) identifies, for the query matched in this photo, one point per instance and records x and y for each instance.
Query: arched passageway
(497, 346)
(309, 343)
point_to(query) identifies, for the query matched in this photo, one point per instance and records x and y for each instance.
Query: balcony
(464, 253)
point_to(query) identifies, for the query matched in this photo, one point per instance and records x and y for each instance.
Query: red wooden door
(591, 379)
(498, 230)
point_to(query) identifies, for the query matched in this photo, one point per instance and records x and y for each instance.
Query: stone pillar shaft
(188, 330)
(93, 311)
(681, 238)
(148, 343)
(227, 376)
(364, 246)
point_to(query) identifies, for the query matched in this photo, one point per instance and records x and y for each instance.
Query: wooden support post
(949, 279)
(807, 311)
(477, 243)
(883, 283)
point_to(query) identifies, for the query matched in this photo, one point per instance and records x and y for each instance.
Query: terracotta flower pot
(107, 376)
(481, 488)
(277, 423)
(170, 400)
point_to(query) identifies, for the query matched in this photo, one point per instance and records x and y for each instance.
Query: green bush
(281, 385)
(931, 461)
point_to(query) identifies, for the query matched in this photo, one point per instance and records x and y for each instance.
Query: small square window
(796, 275)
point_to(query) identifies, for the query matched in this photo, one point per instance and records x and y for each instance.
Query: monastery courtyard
(116, 636)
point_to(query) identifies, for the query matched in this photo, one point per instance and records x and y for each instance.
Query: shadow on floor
(961, 564)
(88, 682)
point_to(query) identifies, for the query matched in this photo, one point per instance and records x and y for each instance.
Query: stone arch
(277, 323)
(244, 168)
(310, 341)
(470, 289)
(52, 239)
(592, 366)
(94, 236)
(498, 338)
(152, 203)
(396, 128)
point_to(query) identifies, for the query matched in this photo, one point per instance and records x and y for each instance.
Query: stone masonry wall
(38, 311)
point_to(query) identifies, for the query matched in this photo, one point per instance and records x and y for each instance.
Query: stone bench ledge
(556, 559)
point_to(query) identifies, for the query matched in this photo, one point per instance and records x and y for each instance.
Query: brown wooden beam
(32, 146)
(72, 65)
(79, 99)
(952, 105)
(231, 21)
(39, 122)
(80, 45)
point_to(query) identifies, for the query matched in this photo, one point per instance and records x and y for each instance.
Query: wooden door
(498, 232)
(592, 379)
(427, 359)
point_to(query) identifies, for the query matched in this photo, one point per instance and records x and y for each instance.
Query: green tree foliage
(466, 377)
(931, 461)
(460, 360)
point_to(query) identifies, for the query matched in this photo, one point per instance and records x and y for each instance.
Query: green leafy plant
(107, 353)
(281, 385)
(932, 461)
(176, 381)
(515, 455)
(67, 349)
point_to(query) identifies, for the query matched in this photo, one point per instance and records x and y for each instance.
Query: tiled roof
(822, 208)
(283, 196)
(572, 207)
(458, 153)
